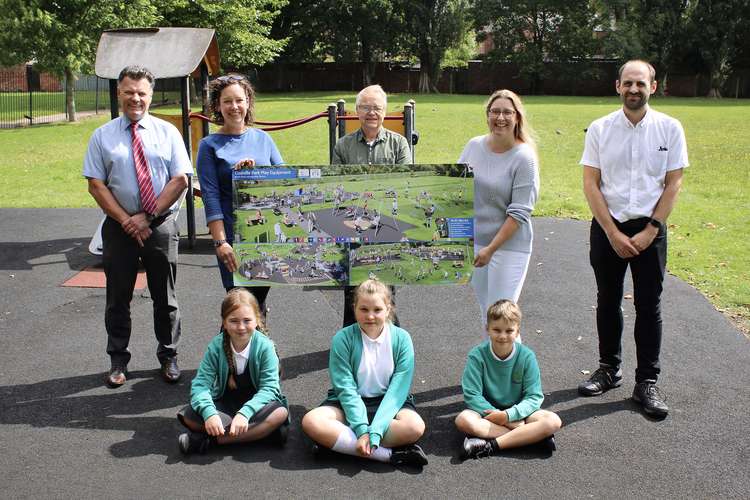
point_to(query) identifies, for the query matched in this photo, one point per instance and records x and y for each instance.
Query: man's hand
(643, 239)
(363, 445)
(137, 227)
(497, 417)
(239, 425)
(213, 426)
(622, 245)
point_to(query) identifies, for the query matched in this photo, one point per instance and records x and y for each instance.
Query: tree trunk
(70, 99)
(366, 63)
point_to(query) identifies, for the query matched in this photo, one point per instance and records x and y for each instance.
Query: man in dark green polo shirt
(375, 145)
(372, 143)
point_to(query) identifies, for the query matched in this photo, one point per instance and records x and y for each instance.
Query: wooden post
(331, 131)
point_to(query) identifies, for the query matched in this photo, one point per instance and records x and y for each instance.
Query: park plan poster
(334, 225)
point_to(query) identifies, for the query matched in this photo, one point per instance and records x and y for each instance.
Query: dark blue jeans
(647, 270)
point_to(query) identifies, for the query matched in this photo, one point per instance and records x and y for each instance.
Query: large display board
(333, 225)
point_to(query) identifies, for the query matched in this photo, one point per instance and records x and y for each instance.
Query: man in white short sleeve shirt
(632, 172)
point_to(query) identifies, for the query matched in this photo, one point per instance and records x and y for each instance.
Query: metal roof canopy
(167, 53)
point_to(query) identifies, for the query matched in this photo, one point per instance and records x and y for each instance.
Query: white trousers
(501, 278)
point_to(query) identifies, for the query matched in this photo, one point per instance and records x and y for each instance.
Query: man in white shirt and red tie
(137, 168)
(632, 172)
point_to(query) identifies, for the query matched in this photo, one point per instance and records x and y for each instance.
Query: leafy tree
(434, 26)
(61, 37)
(243, 27)
(343, 30)
(533, 32)
(653, 30)
(714, 28)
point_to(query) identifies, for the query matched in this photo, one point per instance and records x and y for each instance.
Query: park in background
(328, 225)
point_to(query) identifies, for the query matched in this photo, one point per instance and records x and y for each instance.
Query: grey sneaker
(476, 448)
(650, 398)
(411, 454)
(602, 380)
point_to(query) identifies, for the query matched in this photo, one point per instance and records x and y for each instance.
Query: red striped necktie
(142, 172)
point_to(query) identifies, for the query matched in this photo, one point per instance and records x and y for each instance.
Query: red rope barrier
(274, 125)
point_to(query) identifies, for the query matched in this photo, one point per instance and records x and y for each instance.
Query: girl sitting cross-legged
(369, 412)
(236, 396)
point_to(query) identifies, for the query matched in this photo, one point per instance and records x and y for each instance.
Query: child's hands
(214, 427)
(497, 417)
(239, 425)
(363, 445)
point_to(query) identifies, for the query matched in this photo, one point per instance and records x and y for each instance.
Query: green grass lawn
(41, 168)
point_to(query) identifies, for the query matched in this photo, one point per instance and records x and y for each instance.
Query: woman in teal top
(236, 395)
(369, 411)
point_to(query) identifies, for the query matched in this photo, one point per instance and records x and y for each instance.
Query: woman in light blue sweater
(369, 411)
(236, 395)
(506, 186)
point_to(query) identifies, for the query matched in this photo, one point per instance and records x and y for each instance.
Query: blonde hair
(522, 131)
(375, 287)
(235, 298)
(504, 310)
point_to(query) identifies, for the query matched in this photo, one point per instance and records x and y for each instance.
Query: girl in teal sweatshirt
(369, 411)
(503, 390)
(236, 395)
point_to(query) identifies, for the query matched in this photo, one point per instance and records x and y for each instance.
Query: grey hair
(135, 72)
(372, 88)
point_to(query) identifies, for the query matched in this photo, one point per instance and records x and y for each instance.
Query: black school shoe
(411, 454)
(602, 380)
(650, 398)
(476, 448)
(194, 442)
(280, 435)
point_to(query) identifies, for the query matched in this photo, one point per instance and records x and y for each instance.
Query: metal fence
(28, 97)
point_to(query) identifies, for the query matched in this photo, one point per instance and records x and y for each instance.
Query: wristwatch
(150, 217)
(655, 223)
(218, 243)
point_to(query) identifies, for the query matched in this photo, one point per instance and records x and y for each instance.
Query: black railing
(28, 97)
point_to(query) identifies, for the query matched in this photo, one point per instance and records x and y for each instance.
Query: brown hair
(504, 310)
(217, 86)
(522, 131)
(235, 298)
(375, 287)
(649, 67)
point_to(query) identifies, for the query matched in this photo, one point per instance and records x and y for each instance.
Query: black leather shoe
(476, 448)
(602, 380)
(650, 398)
(193, 442)
(116, 376)
(411, 454)
(170, 372)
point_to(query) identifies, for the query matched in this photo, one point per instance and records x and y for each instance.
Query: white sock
(346, 443)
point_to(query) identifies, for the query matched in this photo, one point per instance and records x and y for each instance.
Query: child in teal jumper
(503, 390)
(369, 412)
(236, 396)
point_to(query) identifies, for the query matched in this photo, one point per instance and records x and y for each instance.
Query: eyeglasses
(367, 109)
(507, 113)
(231, 78)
